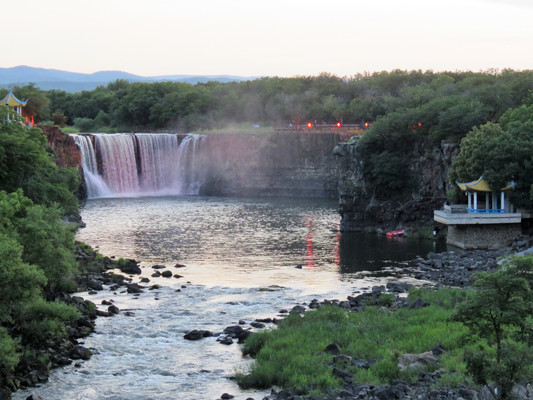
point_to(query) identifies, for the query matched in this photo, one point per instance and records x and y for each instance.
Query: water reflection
(360, 251)
(241, 241)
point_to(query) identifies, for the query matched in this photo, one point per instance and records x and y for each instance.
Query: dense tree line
(36, 248)
(410, 112)
(447, 104)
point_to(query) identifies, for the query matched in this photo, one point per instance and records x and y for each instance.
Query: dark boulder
(130, 266)
(297, 310)
(134, 288)
(113, 309)
(333, 348)
(166, 274)
(197, 334)
(398, 287)
(80, 353)
(94, 284)
(418, 304)
(393, 392)
(234, 331)
(226, 340)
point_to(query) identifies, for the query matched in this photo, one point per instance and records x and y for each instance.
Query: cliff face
(279, 164)
(66, 151)
(360, 207)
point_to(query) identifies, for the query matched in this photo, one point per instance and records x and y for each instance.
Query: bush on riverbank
(293, 355)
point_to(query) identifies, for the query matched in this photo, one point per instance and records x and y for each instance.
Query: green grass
(70, 129)
(292, 355)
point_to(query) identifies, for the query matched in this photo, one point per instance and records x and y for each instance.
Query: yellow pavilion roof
(481, 185)
(11, 100)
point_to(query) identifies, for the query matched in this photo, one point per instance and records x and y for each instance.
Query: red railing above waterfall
(318, 127)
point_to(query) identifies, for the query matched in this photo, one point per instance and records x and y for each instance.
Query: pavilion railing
(486, 210)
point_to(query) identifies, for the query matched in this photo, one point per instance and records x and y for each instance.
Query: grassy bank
(293, 355)
(480, 336)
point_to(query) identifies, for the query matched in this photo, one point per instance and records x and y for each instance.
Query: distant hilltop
(47, 79)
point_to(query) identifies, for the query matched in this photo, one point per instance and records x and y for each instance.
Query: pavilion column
(469, 199)
(503, 202)
(494, 201)
(487, 205)
(475, 200)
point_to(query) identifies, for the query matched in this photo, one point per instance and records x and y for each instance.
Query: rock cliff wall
(66, 152)
(278, 164)
(360, 207)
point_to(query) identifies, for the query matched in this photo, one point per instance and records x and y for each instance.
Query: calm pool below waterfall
(241, 258)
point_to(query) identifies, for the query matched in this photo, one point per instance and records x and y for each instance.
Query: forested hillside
(37, 260)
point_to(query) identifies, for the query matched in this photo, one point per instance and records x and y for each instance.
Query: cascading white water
(96, 186)
(189, 168)
(140, 164)
(119, 165)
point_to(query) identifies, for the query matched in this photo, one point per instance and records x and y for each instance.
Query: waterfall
(96, 186)
(140, 164)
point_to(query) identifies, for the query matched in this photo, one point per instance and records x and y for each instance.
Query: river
(245, 258)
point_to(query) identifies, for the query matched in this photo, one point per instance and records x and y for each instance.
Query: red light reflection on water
(309, 256)
(336, 249)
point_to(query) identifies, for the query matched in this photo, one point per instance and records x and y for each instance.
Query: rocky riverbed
(437, 269)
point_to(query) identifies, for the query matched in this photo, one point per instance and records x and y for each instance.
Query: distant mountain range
(47, 79)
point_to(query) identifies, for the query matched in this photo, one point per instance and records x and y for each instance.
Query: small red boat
(399, 232)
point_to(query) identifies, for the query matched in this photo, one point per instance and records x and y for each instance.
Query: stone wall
(489, 237)
(277, 164)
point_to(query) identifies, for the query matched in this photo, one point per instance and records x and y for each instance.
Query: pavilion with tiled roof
(12, 101)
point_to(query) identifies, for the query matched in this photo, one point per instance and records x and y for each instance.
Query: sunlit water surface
(245, 259)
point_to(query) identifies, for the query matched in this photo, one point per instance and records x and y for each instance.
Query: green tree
(500, 312)
(38, 102)
(25, 163)
(500, 153)
(46, 242)
(19, 282)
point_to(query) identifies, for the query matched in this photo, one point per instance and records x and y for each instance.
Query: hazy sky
(273, 37)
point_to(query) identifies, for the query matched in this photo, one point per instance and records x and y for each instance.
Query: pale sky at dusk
(275, 37)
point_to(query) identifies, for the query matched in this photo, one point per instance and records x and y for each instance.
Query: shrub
(41, 320)
(9, 358)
